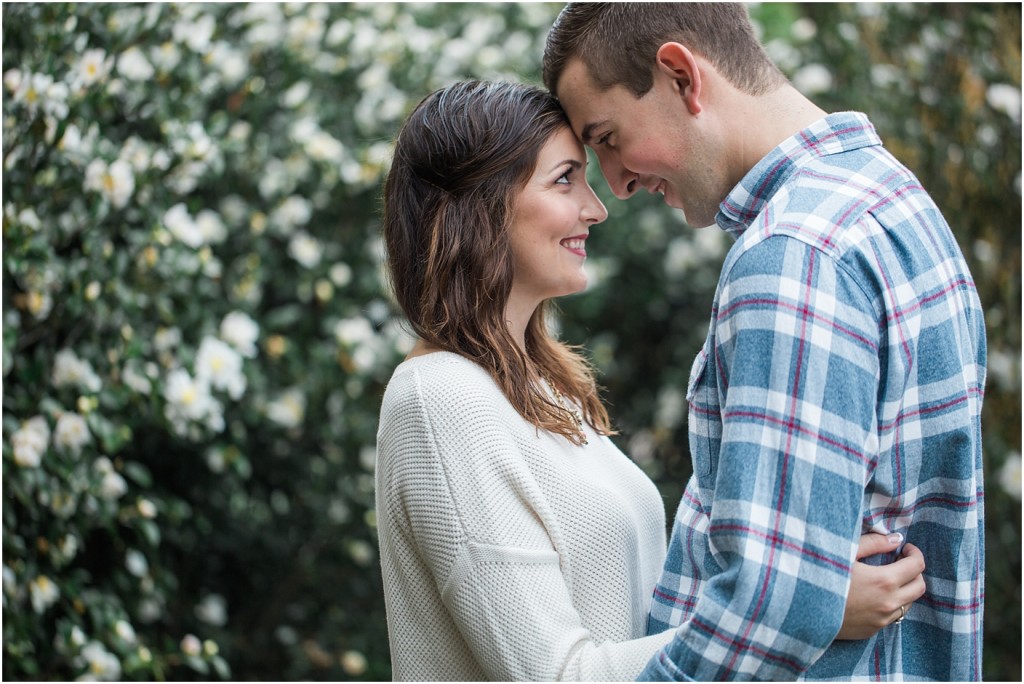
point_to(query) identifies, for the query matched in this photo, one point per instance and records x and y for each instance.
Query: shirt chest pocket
(705, 421)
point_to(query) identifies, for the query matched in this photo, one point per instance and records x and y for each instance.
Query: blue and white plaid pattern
(839, 391)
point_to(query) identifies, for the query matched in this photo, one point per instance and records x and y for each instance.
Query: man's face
(653, 143)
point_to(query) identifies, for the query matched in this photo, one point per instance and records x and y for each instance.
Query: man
(840, 387)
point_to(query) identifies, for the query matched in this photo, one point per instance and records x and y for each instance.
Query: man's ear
(679, 64)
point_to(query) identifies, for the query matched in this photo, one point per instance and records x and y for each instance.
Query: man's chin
(673, 202)
(696, 221)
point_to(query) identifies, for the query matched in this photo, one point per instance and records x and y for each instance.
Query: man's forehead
(580, 98)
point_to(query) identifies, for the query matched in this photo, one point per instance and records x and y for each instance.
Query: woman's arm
(878, 591)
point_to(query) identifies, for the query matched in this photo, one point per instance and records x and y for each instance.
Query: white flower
(77, 637)
(341, 274)
(267, 23)
(221, 366)
(29, 443)
(12, 79)
(136, 381)
(353, 662)
(196, 143)
(195, 34)
(288, 409)
(306, 29)
(671, 407)
(885, 75)
(112, 485)
(103, 666)
(338, 511)
(150, 610)
(189, 399)
(360, 551)
(10, 581)
(353, 331)
(291, 213)
(232, 63)
(165, 56)
(324, 147)
(93, 66)
(296, 95)
(116, 182)
(71, 140)
(29, 219)
(136, 563)
(234, 209)
(304, 128)
(181, 225)
(213, 610)
(40, 92)
(1003, 368)
(812, 79)
(124, 630)
(191, 646)
(43, 592)
(803, 29)
(241, 332)
(69, 370)
(211, 227)
(368, 458)
(71, 432)
(133, 65)
(1005, 98)
(1010, 474)
(146, 508)
(166, 339)
(305, 249)
(67, 548)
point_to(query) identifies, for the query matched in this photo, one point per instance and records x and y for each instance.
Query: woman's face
(551, 222)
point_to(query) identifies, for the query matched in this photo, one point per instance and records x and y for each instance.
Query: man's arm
(795, 371)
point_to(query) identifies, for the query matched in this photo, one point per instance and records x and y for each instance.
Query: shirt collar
(835, 133)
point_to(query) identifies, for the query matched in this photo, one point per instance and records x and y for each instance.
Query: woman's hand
(878, 592)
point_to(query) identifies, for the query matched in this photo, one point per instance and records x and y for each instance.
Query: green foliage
(196, 331)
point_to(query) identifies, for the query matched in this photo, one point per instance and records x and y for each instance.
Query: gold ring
(903, 614)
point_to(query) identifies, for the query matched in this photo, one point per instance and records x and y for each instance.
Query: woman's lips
(576, 244)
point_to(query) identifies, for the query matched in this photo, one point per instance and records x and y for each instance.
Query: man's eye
(603, 140)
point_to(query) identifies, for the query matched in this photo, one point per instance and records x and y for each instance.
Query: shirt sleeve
(793, 358)
(476, 515)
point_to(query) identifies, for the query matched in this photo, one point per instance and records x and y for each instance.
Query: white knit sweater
(508, 553)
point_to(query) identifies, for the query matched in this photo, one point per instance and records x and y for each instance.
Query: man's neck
(763, 122)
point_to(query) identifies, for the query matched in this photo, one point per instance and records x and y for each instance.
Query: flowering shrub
(196, 334)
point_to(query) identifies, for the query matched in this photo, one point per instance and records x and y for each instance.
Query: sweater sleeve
(477, 519)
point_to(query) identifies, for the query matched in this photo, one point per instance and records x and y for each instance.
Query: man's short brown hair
(618, 43)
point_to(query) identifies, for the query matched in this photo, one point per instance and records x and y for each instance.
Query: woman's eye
(564, 178)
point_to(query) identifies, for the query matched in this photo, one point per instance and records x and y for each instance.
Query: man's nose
(622, 181)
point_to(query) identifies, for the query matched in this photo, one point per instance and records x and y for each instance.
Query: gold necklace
(573, 412)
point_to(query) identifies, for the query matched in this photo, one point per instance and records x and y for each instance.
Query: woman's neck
(421, 348)
(518, 312)
(517, 318)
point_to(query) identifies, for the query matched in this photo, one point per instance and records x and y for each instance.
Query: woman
(517, 542)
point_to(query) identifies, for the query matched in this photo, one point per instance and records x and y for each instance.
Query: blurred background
(196, 334)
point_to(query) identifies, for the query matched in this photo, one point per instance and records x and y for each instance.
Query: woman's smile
(576, 244)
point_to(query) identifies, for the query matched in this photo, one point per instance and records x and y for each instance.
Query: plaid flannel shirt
(839, 391)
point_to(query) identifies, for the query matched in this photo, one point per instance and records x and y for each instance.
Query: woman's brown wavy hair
(460, 161)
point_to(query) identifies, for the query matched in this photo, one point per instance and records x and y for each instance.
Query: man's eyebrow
(588, 132)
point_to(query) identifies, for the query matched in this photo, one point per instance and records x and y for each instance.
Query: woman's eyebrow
(575, 163)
